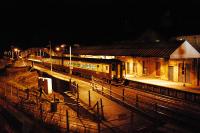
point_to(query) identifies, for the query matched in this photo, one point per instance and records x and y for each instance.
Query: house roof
(196, 46)
(185, 51)
(194, 40)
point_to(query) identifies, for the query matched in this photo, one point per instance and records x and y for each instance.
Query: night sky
(31, 23)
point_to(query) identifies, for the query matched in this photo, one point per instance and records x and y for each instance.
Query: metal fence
(57, 115)
(149, 106)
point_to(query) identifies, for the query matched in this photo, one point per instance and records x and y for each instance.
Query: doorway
(170, 73)
(187, 73)
(180, 72)
(157, 68)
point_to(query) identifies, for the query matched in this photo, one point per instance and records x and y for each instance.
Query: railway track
(181, 113)
(130, 95)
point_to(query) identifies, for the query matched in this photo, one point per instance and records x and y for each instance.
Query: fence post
(89, 98)
(123, 94)
(156, 107)
(136, 101)
(36, 99)
(5, 91)
(70, 83)
(77, 89)
(77, 99)
(99, 127)
(93, 83)
(41, 112)
(110, 89)
(132, 122)
(67, 121)
(11, 91)
(102, 113)
(102, 90)
(27, 95)
(85, 130)
(17, 92)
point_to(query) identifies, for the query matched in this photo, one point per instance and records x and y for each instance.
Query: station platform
(164, 83)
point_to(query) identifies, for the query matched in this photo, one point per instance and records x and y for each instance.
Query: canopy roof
(172, 49)
(128, 48)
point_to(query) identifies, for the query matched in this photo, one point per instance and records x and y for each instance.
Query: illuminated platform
(169, 84)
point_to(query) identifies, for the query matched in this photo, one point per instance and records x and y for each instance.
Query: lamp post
(63, 50)
(70, 55)
(16, 50)
(12, 54)
(50, 55)
(58, 49)
(70, 60)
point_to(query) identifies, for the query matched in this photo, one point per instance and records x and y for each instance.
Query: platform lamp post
(12, 54)
(50, 55)
(16, 50)
(70, 60)
(70, 56)
(63, 50)
(58, 49)
(50, 52)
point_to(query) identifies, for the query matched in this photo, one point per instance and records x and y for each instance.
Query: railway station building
(175, 60)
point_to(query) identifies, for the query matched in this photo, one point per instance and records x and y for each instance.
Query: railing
(42, 109)
(136, 102)
(147, 105)
(166, 91)
(73, 89)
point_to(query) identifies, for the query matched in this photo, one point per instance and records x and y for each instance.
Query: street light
(70, 60)
(63, 46)
(16, 50)
(70, 55)
(50, 54)
(12, 53)
(58, 49)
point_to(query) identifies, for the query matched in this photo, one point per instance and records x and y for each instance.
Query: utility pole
(12, 55)
(198, 72)
(67, 121)
(50, 55)
(62, 52)
(40, 52)
(70, 60)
